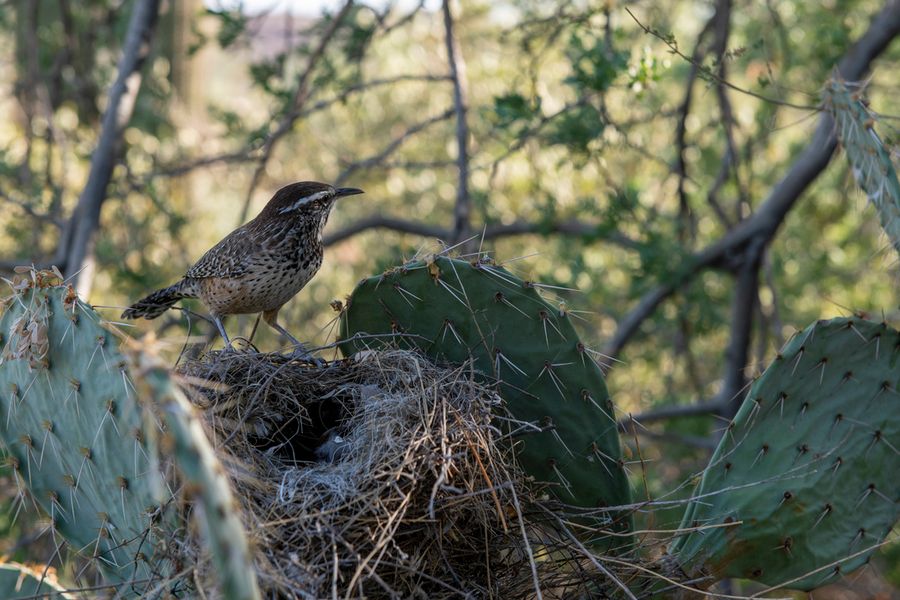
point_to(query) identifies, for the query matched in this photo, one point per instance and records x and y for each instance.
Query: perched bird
(259, 266)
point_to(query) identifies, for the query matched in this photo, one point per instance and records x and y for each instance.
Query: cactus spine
(206, 482)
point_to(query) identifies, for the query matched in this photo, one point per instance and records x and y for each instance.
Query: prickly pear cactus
(77, 436)
(81, 420)
(455, 310)
(804, 484)
(869, 160)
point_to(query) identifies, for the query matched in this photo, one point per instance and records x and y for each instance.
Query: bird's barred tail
(159, 301)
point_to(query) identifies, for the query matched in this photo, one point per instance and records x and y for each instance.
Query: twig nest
(381, 476)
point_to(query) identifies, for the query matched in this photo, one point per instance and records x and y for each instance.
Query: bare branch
(684, 209)
(185, 166)
(694, 441)
(491, 232)
(381, 222)
(571, 227)
(301, 93)
(367, 85)
(417, 165)
(743, 307)
(671, 412)
(766, 221)
(122, 96)
(729, 123)
(463, 209)
(673, 47)
(403, 20)
(392, 147)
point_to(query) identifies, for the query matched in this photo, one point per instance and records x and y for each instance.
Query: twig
(673, 47)
(671, 412)
(491, 232)
(368, 85)
(381, 222)
(730, 159)
(568, 227)
(392, 147)
(681, 134)
(534, 571)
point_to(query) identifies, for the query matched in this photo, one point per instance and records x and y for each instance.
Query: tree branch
(684, 209)
(672, 412)
(185, 166)
(380, 222)
(122, 96)
(491, 232)
(301, 93)
(730, 161)
(462, 210)
(570, 227)
(392, 147)
(766, 221)
(746, 296)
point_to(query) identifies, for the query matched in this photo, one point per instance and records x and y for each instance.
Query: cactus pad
(81, 420)
(455, 311)
(75, 431)
(869, 160)
(803, 485)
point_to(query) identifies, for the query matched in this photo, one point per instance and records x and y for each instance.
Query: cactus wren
(259, 266)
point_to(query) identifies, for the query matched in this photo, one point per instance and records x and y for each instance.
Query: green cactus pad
(869, 160)
(76, 432)
(81, 420)
(804, 484)
(454, 311)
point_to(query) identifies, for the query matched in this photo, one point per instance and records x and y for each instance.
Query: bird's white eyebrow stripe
(305, 200)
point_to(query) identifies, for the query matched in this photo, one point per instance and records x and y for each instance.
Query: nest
(382, 476)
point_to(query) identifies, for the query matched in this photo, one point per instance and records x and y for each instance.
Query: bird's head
(305, 199)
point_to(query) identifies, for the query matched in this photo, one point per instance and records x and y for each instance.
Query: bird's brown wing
(229, 258)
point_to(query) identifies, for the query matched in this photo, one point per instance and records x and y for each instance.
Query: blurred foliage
(573, 112)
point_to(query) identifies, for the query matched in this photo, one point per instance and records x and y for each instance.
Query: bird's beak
(347, 192)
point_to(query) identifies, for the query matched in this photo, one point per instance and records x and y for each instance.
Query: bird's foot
(301, 353)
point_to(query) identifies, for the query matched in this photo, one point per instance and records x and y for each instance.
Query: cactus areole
(456, 311)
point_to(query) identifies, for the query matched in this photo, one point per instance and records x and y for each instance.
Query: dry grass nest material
(413, 495)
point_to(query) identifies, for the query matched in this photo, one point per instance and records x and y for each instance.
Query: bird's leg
(221, 327)
(300, 351)
(253, 331)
